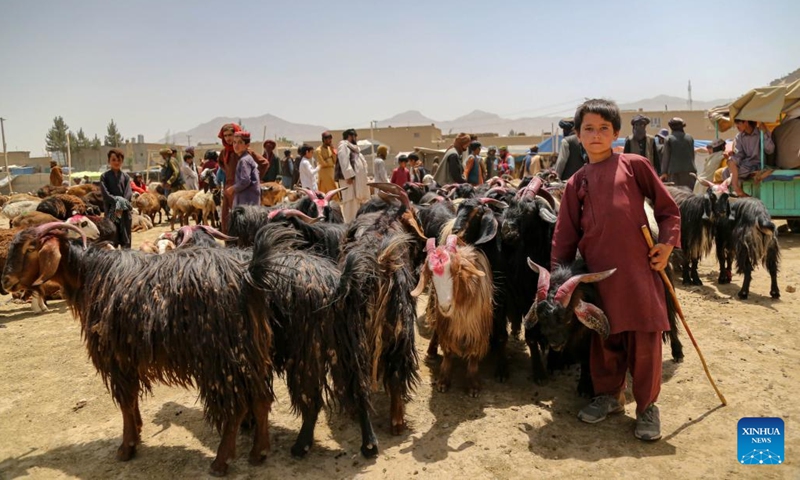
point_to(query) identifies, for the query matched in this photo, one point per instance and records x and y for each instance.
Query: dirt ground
(58, 421)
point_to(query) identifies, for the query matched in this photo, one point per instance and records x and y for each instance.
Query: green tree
(56, 138)
(83, 142)
(511, 133)
(95, 144)
(113, 137)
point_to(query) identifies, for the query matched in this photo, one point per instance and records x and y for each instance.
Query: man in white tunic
(351, 172)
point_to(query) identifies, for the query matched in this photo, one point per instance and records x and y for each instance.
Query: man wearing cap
(490, 161)
(534, 163)
(287, 170)
(56, 176)
(351, 172)
(170, 171)
(642, 144)
(452, 170)
(274, 164)
(661, 137)
(677, 166)
(379, 165)
(505, 163)
(326, 161)
(571, 155)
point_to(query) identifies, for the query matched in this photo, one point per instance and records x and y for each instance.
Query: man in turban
(640, 143)
(326, 161)
(351, 172)
(452, 170)
(571, 155)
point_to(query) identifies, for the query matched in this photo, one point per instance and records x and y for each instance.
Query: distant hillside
(276, 128)
(666, 102)
(787, 79)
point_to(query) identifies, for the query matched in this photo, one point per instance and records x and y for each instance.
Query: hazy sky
(155, 65)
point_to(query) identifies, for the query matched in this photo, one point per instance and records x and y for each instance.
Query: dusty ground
(58, 421)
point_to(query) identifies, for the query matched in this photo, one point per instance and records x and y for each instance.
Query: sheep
(459, 307)
(140, 223)
(14, 209)
(149, 204)
(62, 206)
(204, 202)
(750, 238)
(85, 224)
(180, 203)
(82, 190)
(32, 219)
(699, 217)
(216, 338)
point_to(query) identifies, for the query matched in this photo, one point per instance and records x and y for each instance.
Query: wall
(399, 139)
(27, 183)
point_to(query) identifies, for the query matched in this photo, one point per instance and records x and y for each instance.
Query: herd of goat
(331, 307)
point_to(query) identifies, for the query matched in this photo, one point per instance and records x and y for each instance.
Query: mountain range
(477, 121)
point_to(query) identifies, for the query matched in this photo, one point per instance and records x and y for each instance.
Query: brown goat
(459, 307)
(272, 193)
(37, 295)
(215, 338)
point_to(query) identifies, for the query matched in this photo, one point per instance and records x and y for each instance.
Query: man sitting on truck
(746, 159)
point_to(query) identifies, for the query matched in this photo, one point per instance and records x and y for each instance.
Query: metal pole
(189, 140)
(372, 146)
(5, 155)
(69, 161)
(761, 142)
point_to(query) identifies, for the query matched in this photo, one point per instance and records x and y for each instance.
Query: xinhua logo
(761, 441)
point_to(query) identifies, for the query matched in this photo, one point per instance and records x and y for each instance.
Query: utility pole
(690, 94)
(5, 154)
(188, 140)
(69, 161)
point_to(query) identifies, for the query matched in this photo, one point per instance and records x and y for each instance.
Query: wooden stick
(665, 278)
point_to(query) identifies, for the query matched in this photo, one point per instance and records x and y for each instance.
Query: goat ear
(423, 282)
(471, 269)
(49, 258)
(488, 228)
(594, 318)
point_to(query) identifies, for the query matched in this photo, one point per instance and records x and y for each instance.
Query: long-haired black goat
(565, 311)
(311, 340)
(146, 319)
(375, 297)
(750, 238)
(700, 215)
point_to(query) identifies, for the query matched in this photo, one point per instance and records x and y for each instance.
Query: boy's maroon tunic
(601, 215)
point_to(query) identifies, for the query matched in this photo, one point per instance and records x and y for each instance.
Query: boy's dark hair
(117, 152)
(402, 158)
(413, 156)
(599, 106)
(304, 149)
(750, 122)
(188, 156)
(474, 145)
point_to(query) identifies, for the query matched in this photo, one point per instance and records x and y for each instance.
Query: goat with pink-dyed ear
(459, 306)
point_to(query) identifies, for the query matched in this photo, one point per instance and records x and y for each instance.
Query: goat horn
(701, 180)
(502, 190)
(289, 213)
(188, 231)
(273, 213)
(311, 194)
(565, 291)
(494, 203)
(544, 280)
(394, 189)
(47, 227)
(216, 233)
(451, 243)
(332, 193)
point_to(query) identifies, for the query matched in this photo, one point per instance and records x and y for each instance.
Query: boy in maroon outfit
(601, 215)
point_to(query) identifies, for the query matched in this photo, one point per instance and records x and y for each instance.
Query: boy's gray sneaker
(601, 407)
(648, 424)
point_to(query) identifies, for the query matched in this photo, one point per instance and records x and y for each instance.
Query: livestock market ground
(58, 421)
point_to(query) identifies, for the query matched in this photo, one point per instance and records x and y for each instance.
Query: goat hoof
(432, 357)
(300, 450)
(256, 459)
(742, 295)
(474, 392)
(501, 373)
(218, 469)
(443, 387)
(677, 359)
(775, 294)
(126, 452)
(370, 450)
(697, 282)
(398, 429)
